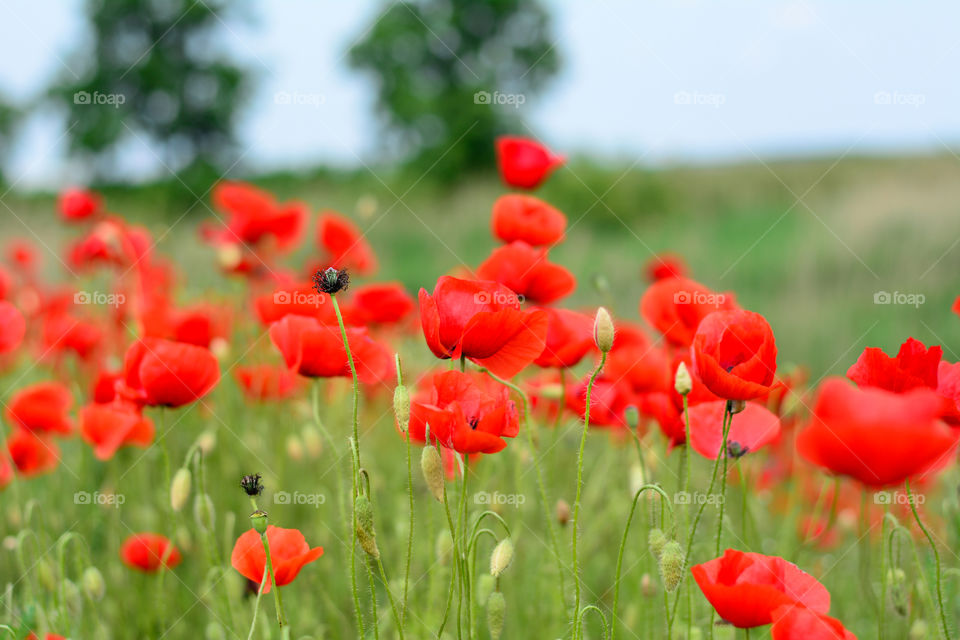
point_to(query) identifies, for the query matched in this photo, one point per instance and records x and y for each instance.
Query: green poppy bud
(496, 610)
(671, 565)
(364, 526)
(180, 488)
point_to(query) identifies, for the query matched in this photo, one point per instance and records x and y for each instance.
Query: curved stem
(256, 605)
(603, 619)
(936, 556)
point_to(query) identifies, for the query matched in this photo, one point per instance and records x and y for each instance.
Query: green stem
(256, 605)
(936, 556)
(393, 605)
(278, 600)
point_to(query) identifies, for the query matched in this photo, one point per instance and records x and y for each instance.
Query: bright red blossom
(12, 327)
(32, 455)
(79, 204)
(166, 373)
(796, 622)
(750, 429)
(315, 350)
(149, 552)
(527, 219)
(42, 408)
(344, 244)
(107, 427)
(289, 553)
(524, 163)
(676, 306)
(734, 354)
(527, 272)
(569, 338)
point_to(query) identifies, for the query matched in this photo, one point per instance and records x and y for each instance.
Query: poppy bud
(203, 512)
(563, 512)
(184, 540)
(259, 521)
(45, 575)
(444, 546)
(496, 610)
(432, 467)
(72, 597)
(631, 416)
(485, 585)
(603, 330)
(501, 557)
(294, 447)
(656, 540)
(682, 381)
(220, 348)
(93, 585)
(647, 588)
(180, 488)
(312, 441)
(364, 526)
(671, 565)
(206, 442)
(736, 406)
(401, 407)
(896, 580)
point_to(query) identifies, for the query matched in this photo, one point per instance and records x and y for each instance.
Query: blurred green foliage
(451, 76)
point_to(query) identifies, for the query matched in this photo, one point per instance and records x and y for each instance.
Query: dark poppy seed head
(251, 484)
(736, 450)
(331, 280)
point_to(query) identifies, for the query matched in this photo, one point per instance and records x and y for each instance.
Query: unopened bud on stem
(682, 381)
(603, 330)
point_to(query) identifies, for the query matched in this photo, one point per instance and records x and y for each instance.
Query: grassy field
(807, 243)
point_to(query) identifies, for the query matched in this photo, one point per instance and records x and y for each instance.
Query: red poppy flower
(6, 471)
(254, 215)
(79, 204)
(266, 382)
(569, 338)
(876, 436)
(734, 354)
(528, 219)
(149, 552)
(344, 244)
(32, 454)
(635, 361)
(12, 327)
(299, 299)
(107, 427)
(381, 303)
(524, 163)
(63, 333)
(165, 373)
(289, 553)
(105, 385)
(608, 401)
(528, 273)
(676, 306)
(796, 622)
(664, 266)
(198, 325)
(750, 429)
(315, 350)
(463, 415)
(42, 408)
(49, 636)
(746, 588)
(23, 256)
(483, 322)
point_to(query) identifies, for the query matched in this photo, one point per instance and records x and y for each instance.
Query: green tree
(451, 74)
(151, 75)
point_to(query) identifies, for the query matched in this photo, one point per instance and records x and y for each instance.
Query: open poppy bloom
(528, 273)
(750, 429)
(636, 361)
(876, 436)
(746, 588)
(63, 333)
(315, 350)
(734, 354)
(569, 339)
(524, 163)
(254, 215)
(481, 321)
(381, 303)
(664, 266)
(266, 382)
(32, 454)
(289, 553)
(300, 299)
(42, 408)
(12, 327)
(171, 374)
(676, 306)
(107, 427)
(149, 552)
(344, 244)
(463, 415)
(609, 400)
(78, 204)
(796, 622)
(525, 218)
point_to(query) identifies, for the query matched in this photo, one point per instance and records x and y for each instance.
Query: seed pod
(682, 381)
(401, 407)
(563, 512)
(72, 597)
(207, 441)
(312, 441)
(203, 512)
(259, 521)
(180, 488)
(496, 610)
(93, 584)
(603, 330)
(671, 565)
(294, 448)
(896, 583)
(736, 406)
(364, 527)
(501, 557)
(656, 540)
(432, 467)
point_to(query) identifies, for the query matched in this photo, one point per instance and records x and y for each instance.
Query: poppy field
(305, 446)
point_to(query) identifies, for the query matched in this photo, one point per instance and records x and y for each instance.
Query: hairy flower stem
(455, 566)
(727, 421)
(576, 504)
(936, 556)
(256, 605)
(278, 600)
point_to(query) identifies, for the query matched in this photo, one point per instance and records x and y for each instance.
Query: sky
(652, 83)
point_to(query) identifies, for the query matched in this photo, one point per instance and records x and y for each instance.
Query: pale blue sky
(653, 82)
